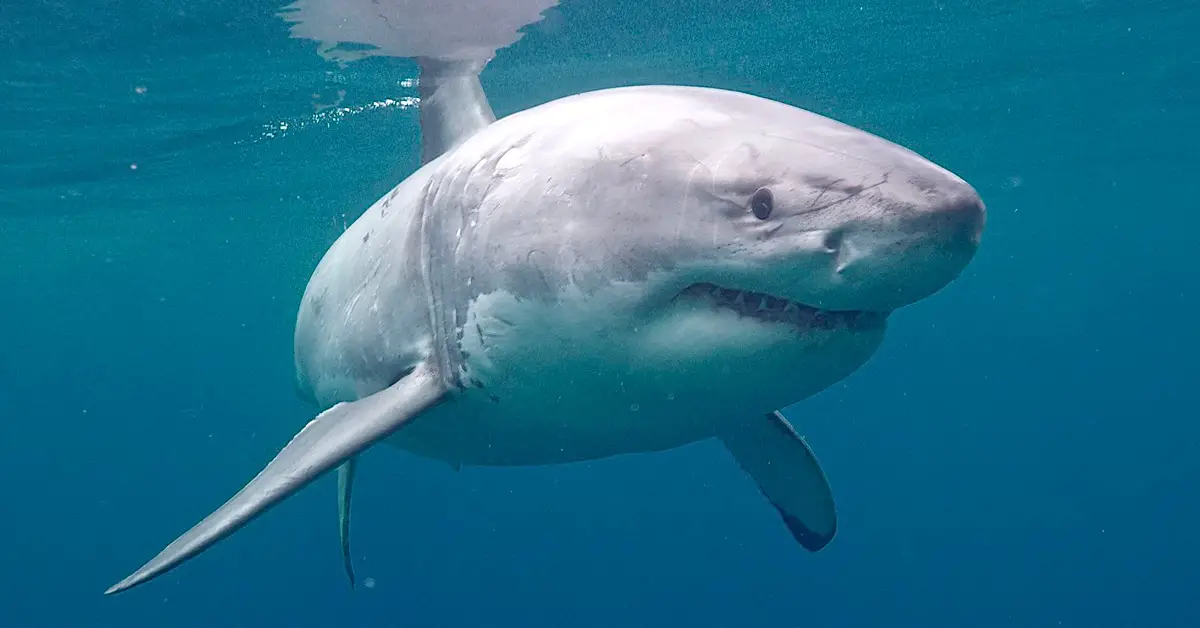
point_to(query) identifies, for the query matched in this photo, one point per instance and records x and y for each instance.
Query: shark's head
(823, 215)
(749, 239)
(787, 224)
(765, 198)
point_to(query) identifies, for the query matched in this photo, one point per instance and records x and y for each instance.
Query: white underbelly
(549, 385)
(474, 429)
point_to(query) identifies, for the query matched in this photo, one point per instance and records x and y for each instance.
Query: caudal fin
(345, 492)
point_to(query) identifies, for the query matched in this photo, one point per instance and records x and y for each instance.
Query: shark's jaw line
(772, 309)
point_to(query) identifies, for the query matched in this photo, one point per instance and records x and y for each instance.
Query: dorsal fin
(453, 105)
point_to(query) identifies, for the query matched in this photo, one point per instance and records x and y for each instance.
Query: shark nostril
(832, 241)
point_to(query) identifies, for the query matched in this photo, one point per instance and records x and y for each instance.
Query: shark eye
(762, 203)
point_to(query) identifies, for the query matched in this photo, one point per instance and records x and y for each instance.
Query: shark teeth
(773, 309)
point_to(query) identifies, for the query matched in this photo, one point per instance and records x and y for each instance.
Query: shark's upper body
(624, 270)
(567, 267)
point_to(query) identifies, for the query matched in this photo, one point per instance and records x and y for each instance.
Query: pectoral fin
(788, 474)
(345, 489)
(335, 436)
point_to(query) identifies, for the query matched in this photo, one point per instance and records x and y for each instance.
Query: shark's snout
(955, 223)
(916, 249)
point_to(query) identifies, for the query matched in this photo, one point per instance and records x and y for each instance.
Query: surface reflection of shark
(625, 270)
(463, 30)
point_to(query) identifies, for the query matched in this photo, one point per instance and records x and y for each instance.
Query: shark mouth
(773, 309)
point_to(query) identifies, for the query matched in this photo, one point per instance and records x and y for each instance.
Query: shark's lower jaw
(772, 309)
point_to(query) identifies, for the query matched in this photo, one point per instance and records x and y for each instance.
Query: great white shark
(618, 271)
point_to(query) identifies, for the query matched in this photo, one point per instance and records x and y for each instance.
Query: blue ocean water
(1021, 452)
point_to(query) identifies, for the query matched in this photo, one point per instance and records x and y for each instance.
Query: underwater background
(1023, 450)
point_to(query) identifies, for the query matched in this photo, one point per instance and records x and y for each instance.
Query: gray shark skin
(619, 271)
